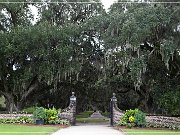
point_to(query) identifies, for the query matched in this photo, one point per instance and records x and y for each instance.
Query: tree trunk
(143, 105)
(20, 105)
(10, 104)
(143, 99)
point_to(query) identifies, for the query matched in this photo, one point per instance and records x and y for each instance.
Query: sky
(106, 3)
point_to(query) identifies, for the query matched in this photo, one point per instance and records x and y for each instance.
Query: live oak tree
(37, 58)
(132, 50)
(12, 16)
(142, 46)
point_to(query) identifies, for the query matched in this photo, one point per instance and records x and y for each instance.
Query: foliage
(128, 114)
(132, 50)
(19, 120)
(170, 101)
(58, 121)
(141, 43)
(140, 118)
(55, 47)
(71, 13)
(29, 120)
(25, 119)
(163, 125)
(133, 118)
(39, 113)
(51, 113)
(30, 110)
(51, 116)
(8, 121)
(64, 122)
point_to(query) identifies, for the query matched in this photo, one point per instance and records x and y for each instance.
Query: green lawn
(150, 132)
(90, 120)
(10, 129)
(84, 117)
(86, 114)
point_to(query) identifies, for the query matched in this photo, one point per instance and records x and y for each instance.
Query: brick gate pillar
(112, 103)
(115, 112)
(70, 112)
(73, 104)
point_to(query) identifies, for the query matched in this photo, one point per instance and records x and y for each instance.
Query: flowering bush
(51, 116)
(133, 118)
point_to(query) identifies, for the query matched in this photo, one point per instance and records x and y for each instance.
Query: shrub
(133, 118)
(24, 119)
(58, 121)
(39, 113)
(140, 119)
(51, 116)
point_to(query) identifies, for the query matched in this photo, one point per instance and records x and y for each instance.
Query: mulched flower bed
(137, 128)
(56, 125)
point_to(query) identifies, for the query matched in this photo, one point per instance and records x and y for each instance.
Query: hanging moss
(167, 49)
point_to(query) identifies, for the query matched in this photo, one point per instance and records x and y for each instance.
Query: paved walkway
(88, 130)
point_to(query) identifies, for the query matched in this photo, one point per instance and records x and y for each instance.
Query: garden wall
(163, 121)
(157, 121)
(117, 114)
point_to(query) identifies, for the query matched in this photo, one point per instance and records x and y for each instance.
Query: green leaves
(137, 68)
(134, 118)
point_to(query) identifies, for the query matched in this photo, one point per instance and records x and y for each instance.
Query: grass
(84, 117)
(150, 132)
(105, 114)
(90, 120)
(9, 129)
(86, 114)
